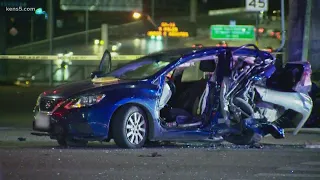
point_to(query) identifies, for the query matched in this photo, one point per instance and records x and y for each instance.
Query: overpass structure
(127, 34)
(76, 41)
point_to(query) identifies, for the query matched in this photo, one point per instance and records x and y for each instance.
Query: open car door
(104, 66)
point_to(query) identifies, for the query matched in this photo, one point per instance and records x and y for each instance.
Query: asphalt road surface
(176, 162)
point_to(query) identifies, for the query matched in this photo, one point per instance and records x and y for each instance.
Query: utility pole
(193, 11)
(306, 34)
(193, 17)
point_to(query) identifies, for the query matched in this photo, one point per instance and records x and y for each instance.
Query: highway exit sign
(237, 32)
(256, 5)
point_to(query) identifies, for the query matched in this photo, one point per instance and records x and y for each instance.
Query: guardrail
(226, 11)
(114, 31)
(71, 58)
(33, 69)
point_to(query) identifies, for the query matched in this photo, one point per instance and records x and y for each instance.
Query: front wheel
(129, 127)
(248, 137)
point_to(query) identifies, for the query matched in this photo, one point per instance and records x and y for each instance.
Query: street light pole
(50, 37)
(31, 28)
(152, 9)
(87, 24)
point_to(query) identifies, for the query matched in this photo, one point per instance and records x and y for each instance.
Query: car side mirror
(95, 74)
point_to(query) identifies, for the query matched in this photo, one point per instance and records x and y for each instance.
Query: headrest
(208, 65)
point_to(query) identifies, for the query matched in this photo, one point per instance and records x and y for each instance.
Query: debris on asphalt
(256, 146)
(22, 139)
(154, 154)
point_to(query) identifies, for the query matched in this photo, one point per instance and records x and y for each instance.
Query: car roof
(176, 51)
(174, 54)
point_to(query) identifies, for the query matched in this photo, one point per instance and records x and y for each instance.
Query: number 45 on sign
(257, 5)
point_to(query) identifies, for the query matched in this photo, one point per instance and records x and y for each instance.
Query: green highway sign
(232, 32)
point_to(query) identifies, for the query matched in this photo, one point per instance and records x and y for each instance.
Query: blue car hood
(69, 89)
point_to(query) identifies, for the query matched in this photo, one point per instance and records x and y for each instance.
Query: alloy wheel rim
(135, 128)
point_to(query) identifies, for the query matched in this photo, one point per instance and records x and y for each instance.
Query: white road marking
(312, 163)
(313, 146)
(298, 169)
(289, 175)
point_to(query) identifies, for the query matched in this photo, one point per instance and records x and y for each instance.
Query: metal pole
(3, 32)
(152, 9)
(50, 37)
(283, 28)
(31, 28)
(257, 29)
(87, 25)
(306, 37)
(51, 24)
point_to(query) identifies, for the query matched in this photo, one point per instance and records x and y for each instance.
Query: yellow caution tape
(72, 58)
(29, 57)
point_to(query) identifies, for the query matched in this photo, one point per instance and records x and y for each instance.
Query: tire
(72, 143)
(129, 127)
(247, 138)
(62, 142)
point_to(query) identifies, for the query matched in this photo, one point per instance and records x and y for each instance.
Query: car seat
(209, 68)
(165, 96)
(198, 106)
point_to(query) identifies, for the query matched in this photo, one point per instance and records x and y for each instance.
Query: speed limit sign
(257, 5)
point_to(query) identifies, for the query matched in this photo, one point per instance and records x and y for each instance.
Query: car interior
(182, 97)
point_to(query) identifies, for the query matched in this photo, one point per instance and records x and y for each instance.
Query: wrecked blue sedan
(212, 93)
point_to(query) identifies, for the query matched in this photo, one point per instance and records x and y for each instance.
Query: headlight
(84, 101)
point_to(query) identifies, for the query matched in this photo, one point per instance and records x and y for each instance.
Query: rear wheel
(129, 127)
